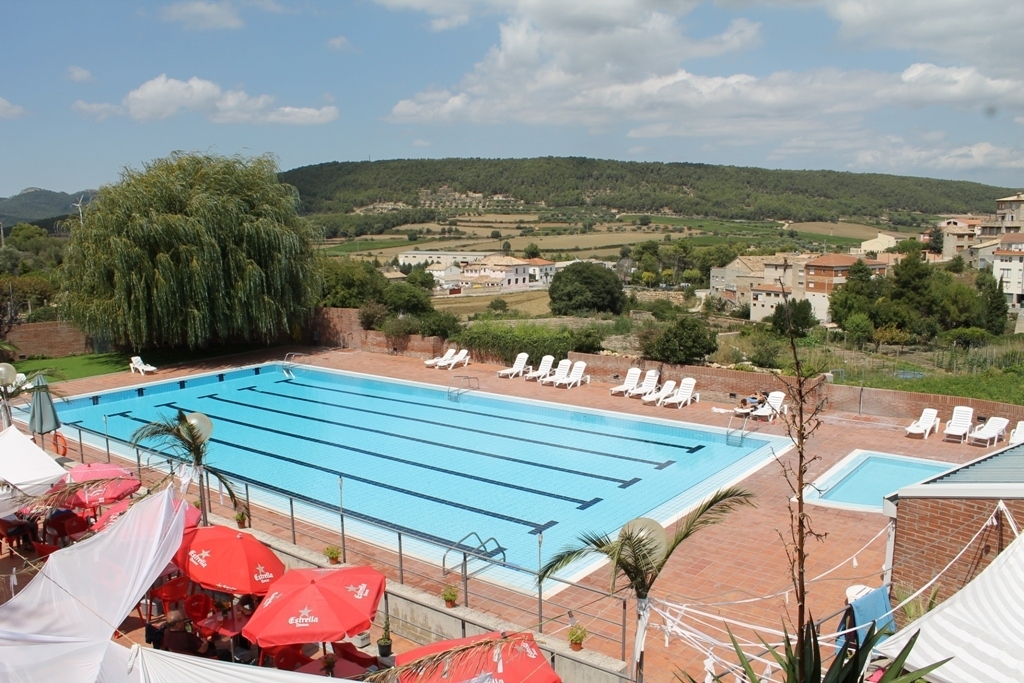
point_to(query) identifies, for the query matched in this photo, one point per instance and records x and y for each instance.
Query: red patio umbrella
(227, 560)
(113, 483)
(112, 513)
(316, 606)
(518, 660)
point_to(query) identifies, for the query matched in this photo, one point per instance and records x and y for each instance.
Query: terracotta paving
(740, 559)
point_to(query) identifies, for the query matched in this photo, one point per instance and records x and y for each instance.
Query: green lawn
(89, 365)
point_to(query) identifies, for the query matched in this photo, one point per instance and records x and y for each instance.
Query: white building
(541, 270)
(442, 258)
(876, 245)
(1008, 268)
(513, 273)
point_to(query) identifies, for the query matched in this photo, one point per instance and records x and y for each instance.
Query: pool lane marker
(549, 444)
(535, 527)
(623, 483)
(690, 449)
(581, 504)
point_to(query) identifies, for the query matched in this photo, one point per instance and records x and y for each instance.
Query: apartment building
(1008, 217)
(827, 272)
(1008, 268)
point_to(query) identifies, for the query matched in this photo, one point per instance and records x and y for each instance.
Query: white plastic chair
(928, 422)
(431, 362)
(632, 377)
(461, 357)
(575, 377)
(560, 373)
(959, 425)
(542, 371)
(772, 408)
(518, 367)
(1017, 434)
(684, 395)
(990, 432)
(137, 365)
(649, 384)
(656, 397)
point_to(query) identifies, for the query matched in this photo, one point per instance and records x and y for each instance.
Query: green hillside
(35, 204)
(687, 189)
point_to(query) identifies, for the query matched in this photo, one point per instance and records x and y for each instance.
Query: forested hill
(33, 204)
(689, 189)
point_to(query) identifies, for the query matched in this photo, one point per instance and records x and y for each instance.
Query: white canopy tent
(26, 467)
(158, 666)
(981, 627)
(59, 628)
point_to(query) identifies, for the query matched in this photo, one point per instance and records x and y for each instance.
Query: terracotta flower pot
(576, 647)
(334, 560)
(449, 603)
(241, 525)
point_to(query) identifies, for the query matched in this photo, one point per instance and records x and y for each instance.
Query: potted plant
(327, 664)
(332, 553)
(577, 633)
(450, 594)
(240, 517)
(384, 642)
(197, 504)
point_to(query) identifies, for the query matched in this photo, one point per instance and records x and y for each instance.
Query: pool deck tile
(740, 559)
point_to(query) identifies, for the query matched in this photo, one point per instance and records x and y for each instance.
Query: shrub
(795, 316)
(372, 315)
(440, 324)
(400, 328)
(688, 339)
(742, 312)
(498, 305)
(506, 341)
(43, 314)
(859, 329)
(967, 337)
(401, 297)
(586, 288)
(766, 348)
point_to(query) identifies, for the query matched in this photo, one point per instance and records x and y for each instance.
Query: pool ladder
(481, 551)
(734, 437)
(291, 361)
(461, 384)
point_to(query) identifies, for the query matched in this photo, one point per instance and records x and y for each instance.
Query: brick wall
(931, 531)
(718, 383)
(52, 339)
(415, 345)
(337, 327)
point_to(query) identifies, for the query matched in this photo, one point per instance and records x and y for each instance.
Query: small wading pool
(863, 478)
(413, 460)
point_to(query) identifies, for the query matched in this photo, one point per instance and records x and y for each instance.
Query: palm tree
(187, 442)
(639, 555)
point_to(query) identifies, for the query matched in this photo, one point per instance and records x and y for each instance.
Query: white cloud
(163, 97)
(200, 15)
(79, 75)
(10, 111)
(98, 111)
(342, 44)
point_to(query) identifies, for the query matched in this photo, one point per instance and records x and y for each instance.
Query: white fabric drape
(26, 467)
(59, 627)
(981, 627)
(160, 666)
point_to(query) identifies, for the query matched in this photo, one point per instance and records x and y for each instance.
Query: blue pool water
(414, 460)
(863, 479)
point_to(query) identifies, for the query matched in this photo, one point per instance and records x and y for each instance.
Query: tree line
(689, 189)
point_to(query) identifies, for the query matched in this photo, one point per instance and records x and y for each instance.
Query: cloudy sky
(917, 87)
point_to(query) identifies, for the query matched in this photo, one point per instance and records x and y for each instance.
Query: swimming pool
(863, 478)
(413, 459)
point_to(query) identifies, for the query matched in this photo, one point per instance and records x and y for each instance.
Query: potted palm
(577, 633)
(384, 642)
(240, 518)
(450, 594)
(333, 554)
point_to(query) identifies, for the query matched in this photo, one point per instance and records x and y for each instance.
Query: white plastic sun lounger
(927, 423)
(576, 376)
(990, 432)
(431, 362)
(632, 377)
(772, 408)
(518, 367)
(461, 357)
(561, 372)
(1017, 434)
(959, 426)
(649, 384)
(684, 395)
(543, 371)
(667, 389)
(137, 365)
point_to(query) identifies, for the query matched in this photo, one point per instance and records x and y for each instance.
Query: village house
(958, 236)
(513, 273)
(541, 270)
(876, 245)
(1008, 217)
(827, 272)
(1008, 268)
(441, 258)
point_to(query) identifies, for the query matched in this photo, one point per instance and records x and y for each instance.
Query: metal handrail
(481, 546)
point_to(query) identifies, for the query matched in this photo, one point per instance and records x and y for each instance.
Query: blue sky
(916, 87)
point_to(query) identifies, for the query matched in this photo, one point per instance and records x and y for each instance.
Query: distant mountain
(635, 187)
(34, 204)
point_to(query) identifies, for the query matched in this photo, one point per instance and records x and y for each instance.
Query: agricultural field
(855, 231)
(530, 303)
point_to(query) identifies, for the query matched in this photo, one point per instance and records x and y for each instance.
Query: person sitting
(753, 401)
(177, 639)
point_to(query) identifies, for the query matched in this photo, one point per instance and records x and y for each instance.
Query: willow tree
(191, 250)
